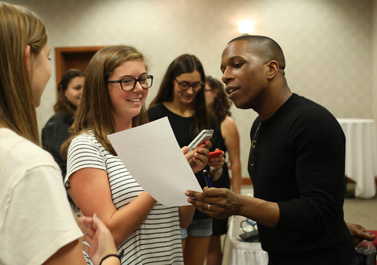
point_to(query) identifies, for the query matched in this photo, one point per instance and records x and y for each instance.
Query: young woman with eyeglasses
(37, 225)
(115, 90)
(181, 99)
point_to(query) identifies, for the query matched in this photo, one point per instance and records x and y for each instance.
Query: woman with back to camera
(219, 105)
(55, 132)
(116, 86)
(37, 225)
(181, 99)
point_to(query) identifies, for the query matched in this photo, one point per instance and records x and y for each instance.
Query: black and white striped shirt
(158, 239)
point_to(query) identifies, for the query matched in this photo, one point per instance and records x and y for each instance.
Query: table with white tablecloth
(243, 253)
(361, 155)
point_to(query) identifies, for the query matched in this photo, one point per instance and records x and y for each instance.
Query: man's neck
(272, 104)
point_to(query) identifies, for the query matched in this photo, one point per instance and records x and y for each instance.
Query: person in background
(296, 162)
(37, 225)
(116, 86)
(219, 105)
(55, 132)
(181, 99)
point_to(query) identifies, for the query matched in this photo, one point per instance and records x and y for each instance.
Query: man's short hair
(265, 47)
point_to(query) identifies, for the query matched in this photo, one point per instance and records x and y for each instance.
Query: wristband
(108, 256)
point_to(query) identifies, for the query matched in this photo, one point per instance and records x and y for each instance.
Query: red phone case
(213, 154)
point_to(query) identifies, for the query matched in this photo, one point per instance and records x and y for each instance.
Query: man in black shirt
(296, 162)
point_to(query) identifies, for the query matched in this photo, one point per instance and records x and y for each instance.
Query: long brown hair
(19, 27)
(63, 104)
(221, 104)
(95, 108)
(185, 63)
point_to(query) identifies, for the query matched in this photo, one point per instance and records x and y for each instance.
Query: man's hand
(215, 202)
(359, 233)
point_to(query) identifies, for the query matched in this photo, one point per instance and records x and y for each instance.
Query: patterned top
(158, 239)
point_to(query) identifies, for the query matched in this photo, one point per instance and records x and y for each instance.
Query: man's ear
(27, 58)
(273, 69)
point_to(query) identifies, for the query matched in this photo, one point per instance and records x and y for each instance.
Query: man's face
(244, 74)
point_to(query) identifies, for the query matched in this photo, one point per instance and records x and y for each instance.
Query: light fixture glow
(246, 26)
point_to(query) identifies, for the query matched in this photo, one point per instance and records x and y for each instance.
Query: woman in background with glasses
(37, 225)
(219, 105)
(115, 90)
(181, 99)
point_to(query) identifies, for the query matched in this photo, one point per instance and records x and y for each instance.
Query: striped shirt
(158, 239)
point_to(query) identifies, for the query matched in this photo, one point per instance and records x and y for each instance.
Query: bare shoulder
(228, 120)
(228, 127)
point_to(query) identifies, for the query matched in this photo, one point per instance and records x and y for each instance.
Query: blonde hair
(94, 111)
(19, 27)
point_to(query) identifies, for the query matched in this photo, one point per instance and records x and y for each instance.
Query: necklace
(254, 150)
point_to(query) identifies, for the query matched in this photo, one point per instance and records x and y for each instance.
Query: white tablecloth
(361, 154)
(243, 253)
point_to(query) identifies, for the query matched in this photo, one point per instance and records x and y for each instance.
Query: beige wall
(374, 59)
(327, 43)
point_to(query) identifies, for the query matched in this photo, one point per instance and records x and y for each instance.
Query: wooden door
(73, 57)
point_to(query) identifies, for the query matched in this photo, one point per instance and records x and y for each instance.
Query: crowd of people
(297, 168)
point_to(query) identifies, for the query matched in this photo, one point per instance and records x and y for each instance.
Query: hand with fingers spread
(98, 241)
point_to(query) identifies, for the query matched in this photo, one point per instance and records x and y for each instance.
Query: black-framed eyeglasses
(184, 85)
(254, 147)
(129, 83)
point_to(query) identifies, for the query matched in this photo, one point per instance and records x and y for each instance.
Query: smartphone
(202, 136)
(215, 153)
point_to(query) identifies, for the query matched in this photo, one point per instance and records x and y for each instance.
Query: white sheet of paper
(152, 155)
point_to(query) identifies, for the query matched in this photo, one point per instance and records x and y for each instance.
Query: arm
(317, 143)
(225, 203)
(98, 241)
(101, 244)
(186, 213)
(90, 188)
(232, 142)
(359, 233)
(69, 254)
